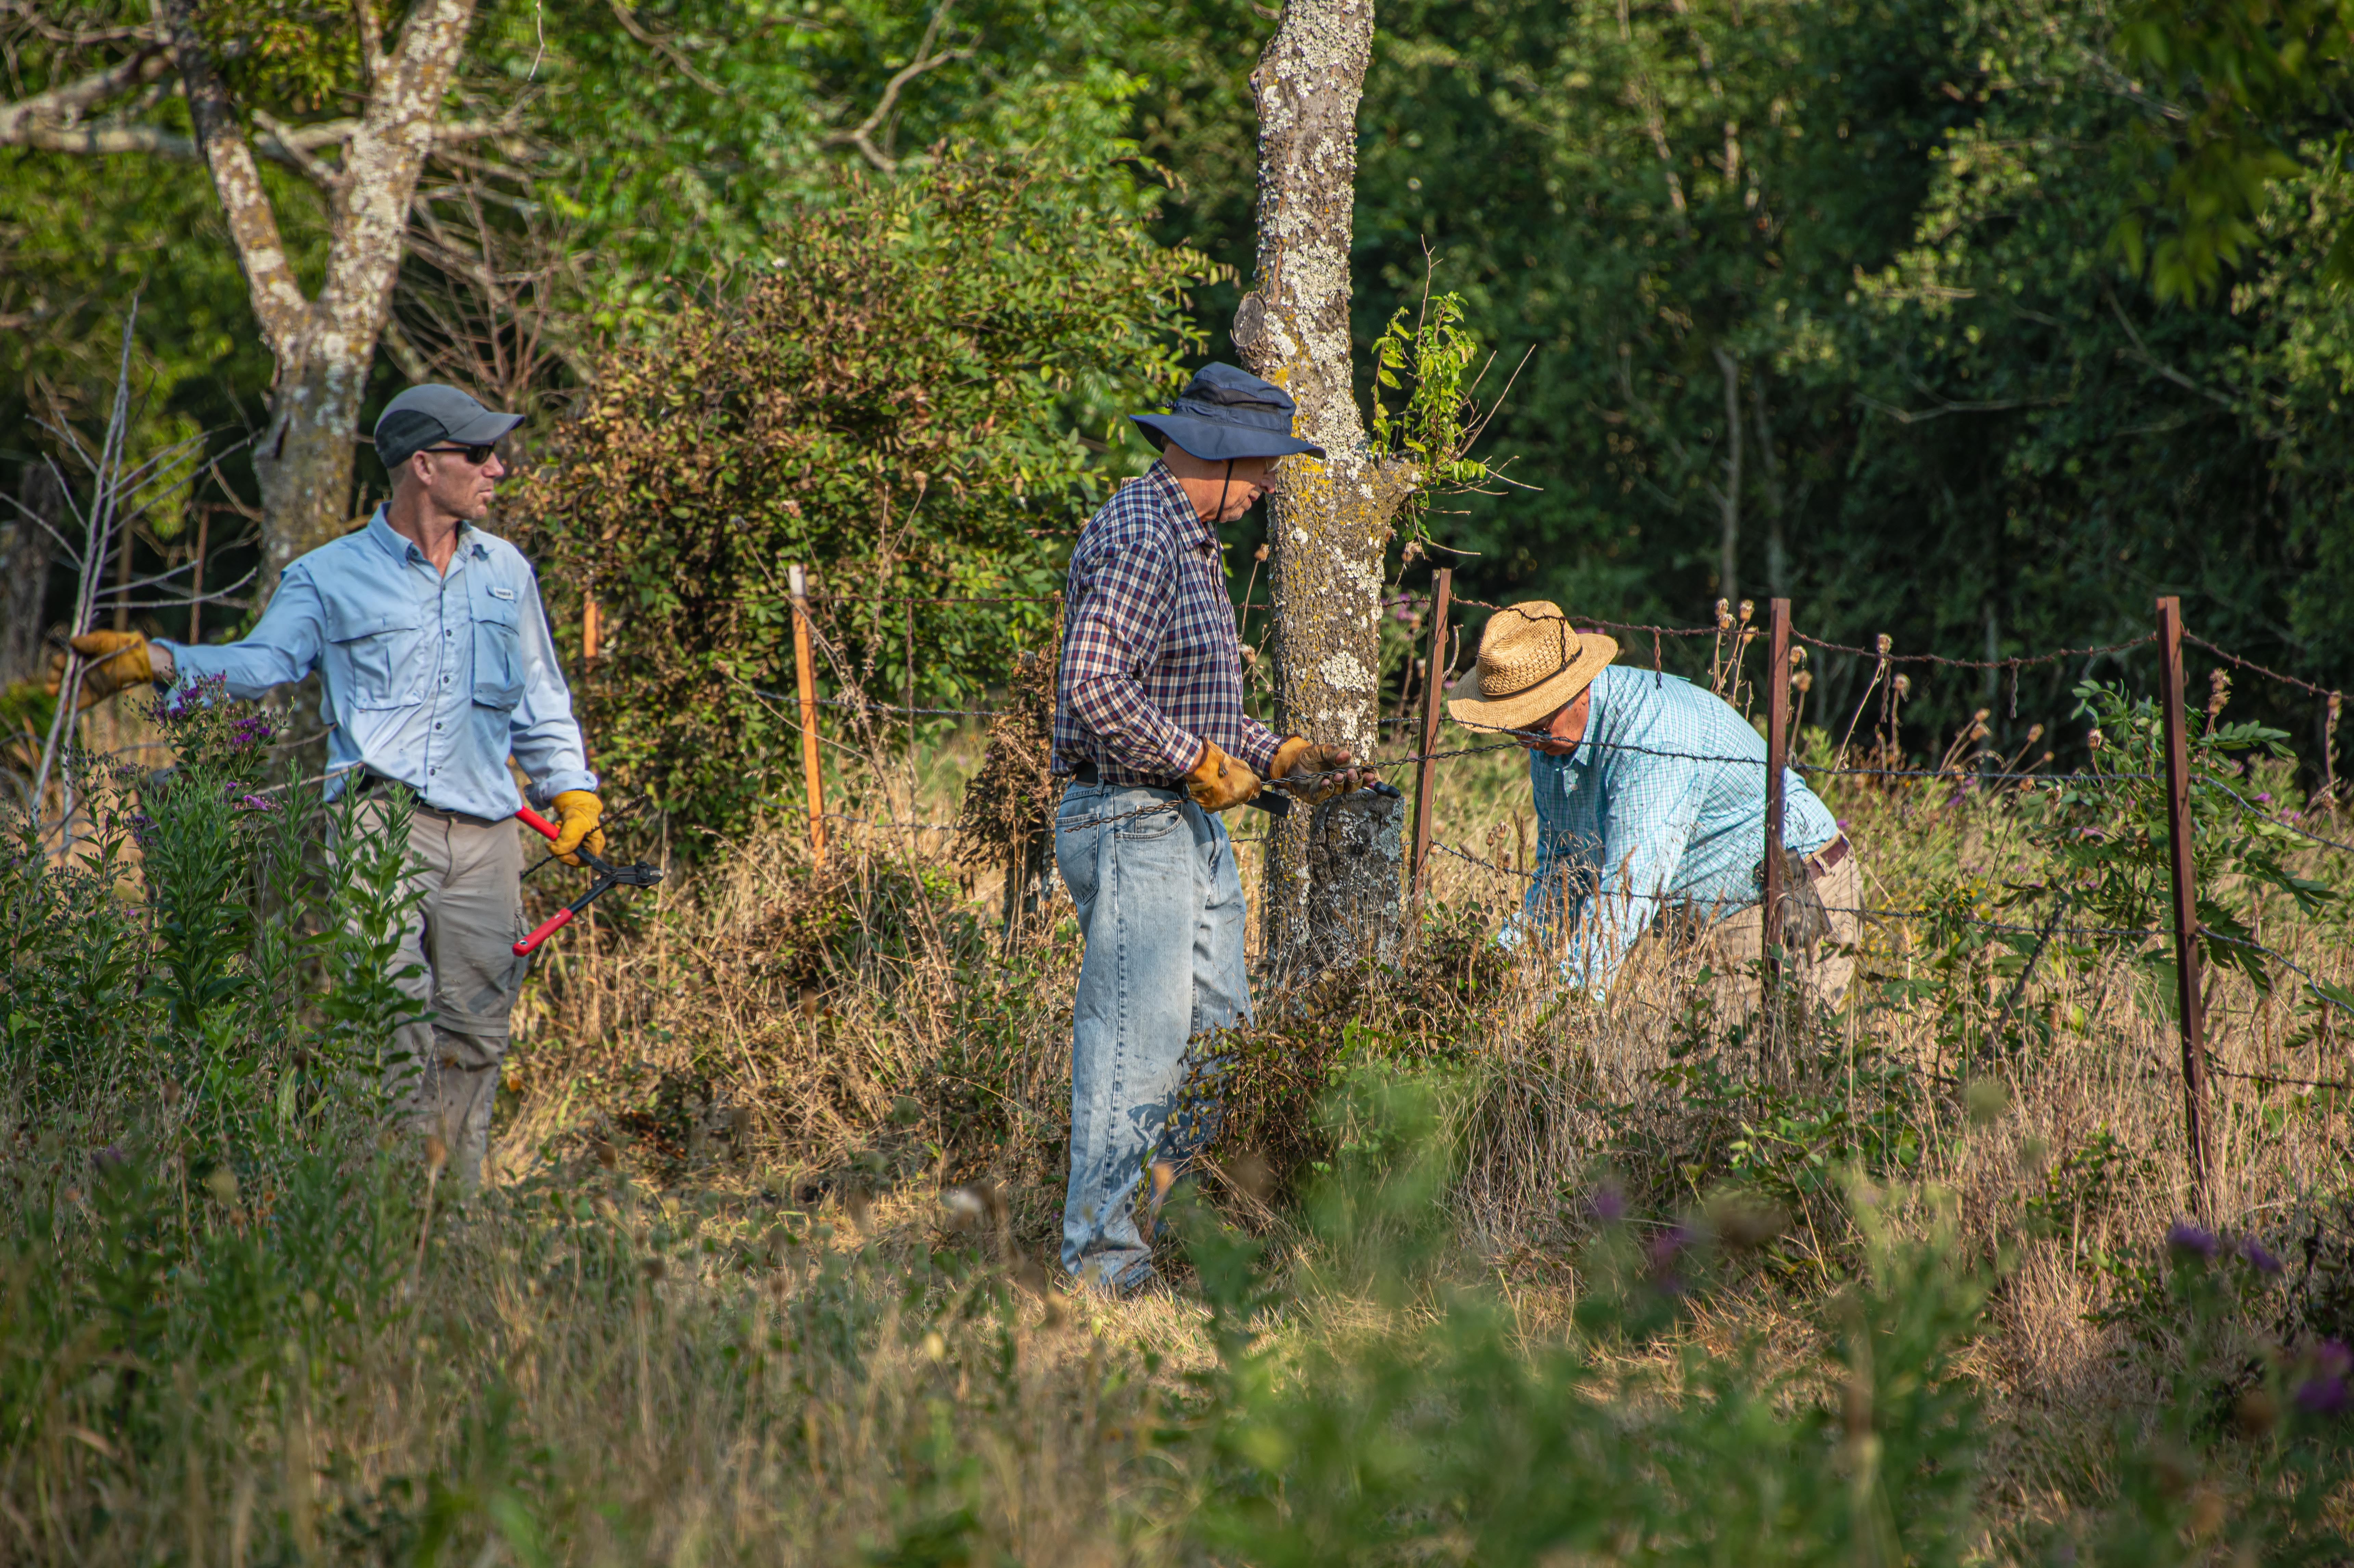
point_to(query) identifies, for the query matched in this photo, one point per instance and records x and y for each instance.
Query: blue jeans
(1160, 908)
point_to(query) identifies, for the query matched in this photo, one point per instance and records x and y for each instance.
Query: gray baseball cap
(431, 414)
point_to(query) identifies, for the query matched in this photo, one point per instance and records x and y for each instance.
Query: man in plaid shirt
(1149, 727)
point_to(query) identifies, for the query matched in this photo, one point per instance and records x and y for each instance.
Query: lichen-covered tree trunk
(1332, 874)
(323, 346)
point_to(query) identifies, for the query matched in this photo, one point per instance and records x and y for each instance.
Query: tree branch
(636, 29)
(862, 136)
(60, 106)
(278, 299)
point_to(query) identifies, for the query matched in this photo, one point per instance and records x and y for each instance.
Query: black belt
(1274, 805)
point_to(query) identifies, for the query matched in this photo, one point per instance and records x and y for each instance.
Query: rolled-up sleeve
(284, 646)
(544, 734)
(1120, 621)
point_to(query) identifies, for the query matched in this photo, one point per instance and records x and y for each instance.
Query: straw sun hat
(1530, 661)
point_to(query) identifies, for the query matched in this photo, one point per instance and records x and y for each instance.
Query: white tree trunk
(1332, 876)
(323, 347)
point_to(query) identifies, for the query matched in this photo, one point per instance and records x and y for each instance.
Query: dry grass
(883, 1090)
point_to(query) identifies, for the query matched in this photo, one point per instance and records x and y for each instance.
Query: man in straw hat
(1651, 798)
(1149, 727)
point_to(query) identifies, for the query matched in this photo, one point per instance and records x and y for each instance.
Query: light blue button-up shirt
(1662, 802)
(433, 678)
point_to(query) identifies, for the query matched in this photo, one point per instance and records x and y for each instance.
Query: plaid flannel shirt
(1662, 803)
(1150, 664)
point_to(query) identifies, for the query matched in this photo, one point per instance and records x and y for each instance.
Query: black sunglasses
(477, 456)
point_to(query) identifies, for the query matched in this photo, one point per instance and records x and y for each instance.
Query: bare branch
(60, 107)
(371, 42)
(99, 141)
(862, 136)
(288, 141)
(638, 30)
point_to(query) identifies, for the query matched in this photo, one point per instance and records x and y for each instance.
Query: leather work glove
(1219, 781)
(1328, 766)
(119, 659)
(576, 811)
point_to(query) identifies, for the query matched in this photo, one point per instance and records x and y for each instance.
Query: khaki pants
(460, 941)
(1731, 946)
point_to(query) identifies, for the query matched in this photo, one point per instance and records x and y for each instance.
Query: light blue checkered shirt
(1663, 801)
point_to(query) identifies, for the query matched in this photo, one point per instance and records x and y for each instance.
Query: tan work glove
(576, 811)
(1328, 766)
(1219, 781)
(119, 659)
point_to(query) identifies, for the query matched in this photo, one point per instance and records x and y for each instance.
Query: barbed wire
(2245, 664)
(2278, 956)
(2017, 662)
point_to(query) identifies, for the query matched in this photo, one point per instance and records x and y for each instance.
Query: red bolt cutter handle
(562, 918)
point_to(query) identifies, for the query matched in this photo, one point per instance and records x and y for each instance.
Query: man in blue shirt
(1651, 801)
(435, 666)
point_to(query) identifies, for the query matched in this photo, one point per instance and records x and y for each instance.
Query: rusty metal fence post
(2186, 898)
(1434, 680)
(798, 581)
(1777, 758)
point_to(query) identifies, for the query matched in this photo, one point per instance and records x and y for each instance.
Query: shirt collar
(380, 533)
(1191, 527)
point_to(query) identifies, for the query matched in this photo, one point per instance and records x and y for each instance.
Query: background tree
(227, 73)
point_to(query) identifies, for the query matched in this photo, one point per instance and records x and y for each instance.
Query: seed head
(437, 1155)
(1904, 685)
(1885, 643)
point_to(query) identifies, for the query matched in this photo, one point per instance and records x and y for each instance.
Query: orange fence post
(1434, 679)
(1777, 758)
(798, 581)
(2186, 898)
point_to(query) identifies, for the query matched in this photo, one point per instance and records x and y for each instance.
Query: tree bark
(26, 550)
(1728, 497)
(1332, 884)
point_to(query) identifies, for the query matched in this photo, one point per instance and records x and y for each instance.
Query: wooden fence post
(1777, 758)
(1434, 680)
(2186, 898)
(798, 581)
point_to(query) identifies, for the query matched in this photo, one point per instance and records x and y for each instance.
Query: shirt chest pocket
(375, 653)
(498, 645)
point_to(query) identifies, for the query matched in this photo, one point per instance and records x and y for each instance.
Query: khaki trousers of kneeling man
(459, 944)
(1733, 945)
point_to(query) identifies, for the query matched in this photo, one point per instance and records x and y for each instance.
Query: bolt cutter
(608, 876)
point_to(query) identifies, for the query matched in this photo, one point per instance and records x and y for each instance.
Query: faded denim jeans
(1160, 909)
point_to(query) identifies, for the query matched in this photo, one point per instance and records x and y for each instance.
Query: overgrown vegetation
(1473, 1270)
(887, 400)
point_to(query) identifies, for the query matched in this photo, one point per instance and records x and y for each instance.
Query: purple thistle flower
(2258, 1256)
(1665, 1248)
(2324, 1394)
(256, 803)
(2187, 1239)
(1609, 1205)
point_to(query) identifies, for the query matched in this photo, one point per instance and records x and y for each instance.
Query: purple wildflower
(256, 803)
(1843, 824)
(1609, 1204)
(2258, 1256)
(2264, 798)
(1665, 1248)
(2325, 1393)
(2187, 1239)
(107, 1158)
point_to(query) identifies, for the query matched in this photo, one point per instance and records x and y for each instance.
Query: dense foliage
(890, 401)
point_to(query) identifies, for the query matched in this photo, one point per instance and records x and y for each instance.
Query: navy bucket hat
(1225, 413)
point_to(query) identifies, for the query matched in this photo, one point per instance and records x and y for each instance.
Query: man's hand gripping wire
(608, 876)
